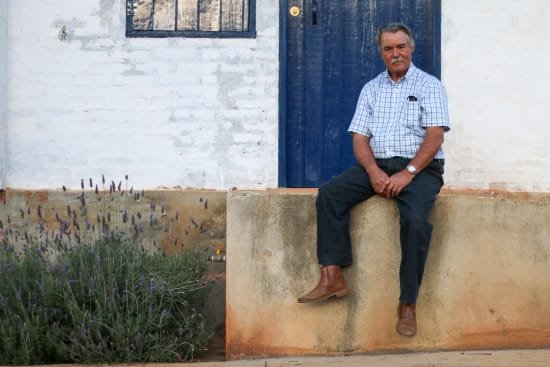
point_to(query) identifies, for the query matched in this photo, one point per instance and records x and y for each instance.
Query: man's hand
(396, 183)
(363, 155)
(378, 179)
(425, 154)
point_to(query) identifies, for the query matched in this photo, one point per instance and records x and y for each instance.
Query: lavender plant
(96, 289)
(27, 308)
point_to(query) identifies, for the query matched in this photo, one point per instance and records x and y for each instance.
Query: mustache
(397, 59)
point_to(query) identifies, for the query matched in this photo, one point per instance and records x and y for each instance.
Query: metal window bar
(242, 16)
(198, 15)
(220, 23)
(176, 15)
(152, 21)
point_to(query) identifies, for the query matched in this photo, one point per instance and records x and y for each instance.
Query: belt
(386, 160)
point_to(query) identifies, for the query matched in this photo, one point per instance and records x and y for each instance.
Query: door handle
(294, 11)
(313, 6)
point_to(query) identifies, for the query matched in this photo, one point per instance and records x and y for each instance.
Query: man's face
(396, 53)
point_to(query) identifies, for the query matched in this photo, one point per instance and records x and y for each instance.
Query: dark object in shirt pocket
(412, 99)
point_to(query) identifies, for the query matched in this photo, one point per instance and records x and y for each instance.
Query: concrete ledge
(487, 280)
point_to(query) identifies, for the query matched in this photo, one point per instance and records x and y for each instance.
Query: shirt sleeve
(435, 111)
(362, 116)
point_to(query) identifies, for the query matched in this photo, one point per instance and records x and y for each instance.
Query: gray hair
(394, 28)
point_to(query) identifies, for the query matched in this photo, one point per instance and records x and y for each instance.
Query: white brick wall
(204, 112)
(168, 112)
(3, 87)
(495, 67)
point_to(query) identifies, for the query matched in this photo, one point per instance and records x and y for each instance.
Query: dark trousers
(341, 193)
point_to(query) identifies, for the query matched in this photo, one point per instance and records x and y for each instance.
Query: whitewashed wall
(203, 112)
(3, 87)
(495, 67)
(197, 113)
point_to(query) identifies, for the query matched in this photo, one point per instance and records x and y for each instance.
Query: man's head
(396, 46)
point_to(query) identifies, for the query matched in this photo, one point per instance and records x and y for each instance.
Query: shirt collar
(410, 72)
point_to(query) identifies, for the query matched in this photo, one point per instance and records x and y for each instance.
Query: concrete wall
(497, 93)
(485, 286)
(186, 112)
(3, 87)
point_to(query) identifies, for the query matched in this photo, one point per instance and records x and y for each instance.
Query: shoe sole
(338, 294)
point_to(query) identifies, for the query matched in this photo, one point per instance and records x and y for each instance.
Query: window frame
(250, 33)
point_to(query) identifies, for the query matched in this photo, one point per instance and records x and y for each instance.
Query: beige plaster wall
(486, 283)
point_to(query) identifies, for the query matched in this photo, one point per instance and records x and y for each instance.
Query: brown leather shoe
(331, 284)
(406, 325)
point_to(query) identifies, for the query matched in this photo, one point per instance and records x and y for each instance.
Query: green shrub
(97, 289)
(26, 300)
(102, 303)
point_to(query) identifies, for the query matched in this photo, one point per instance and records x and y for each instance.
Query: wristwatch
(412, 169)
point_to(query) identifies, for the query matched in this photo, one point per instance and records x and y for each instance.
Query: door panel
(328, 52)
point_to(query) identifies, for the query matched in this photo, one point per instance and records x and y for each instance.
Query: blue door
(328, 52)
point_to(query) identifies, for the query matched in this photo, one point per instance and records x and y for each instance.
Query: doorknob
(294, 11)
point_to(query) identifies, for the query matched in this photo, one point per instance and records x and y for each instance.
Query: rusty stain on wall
(482, 287)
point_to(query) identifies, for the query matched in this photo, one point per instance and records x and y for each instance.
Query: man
(397, 130)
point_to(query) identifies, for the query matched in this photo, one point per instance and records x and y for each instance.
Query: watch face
(411, 169)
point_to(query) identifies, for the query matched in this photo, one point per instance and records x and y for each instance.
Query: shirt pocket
(412, 116)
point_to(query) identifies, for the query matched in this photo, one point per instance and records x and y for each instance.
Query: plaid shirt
(394, 115)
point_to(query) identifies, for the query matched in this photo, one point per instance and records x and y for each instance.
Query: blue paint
(327, 54)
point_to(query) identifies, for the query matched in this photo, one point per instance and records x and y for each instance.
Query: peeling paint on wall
(112, 15)
(3, 87)
(203, 113)
(175, 112)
